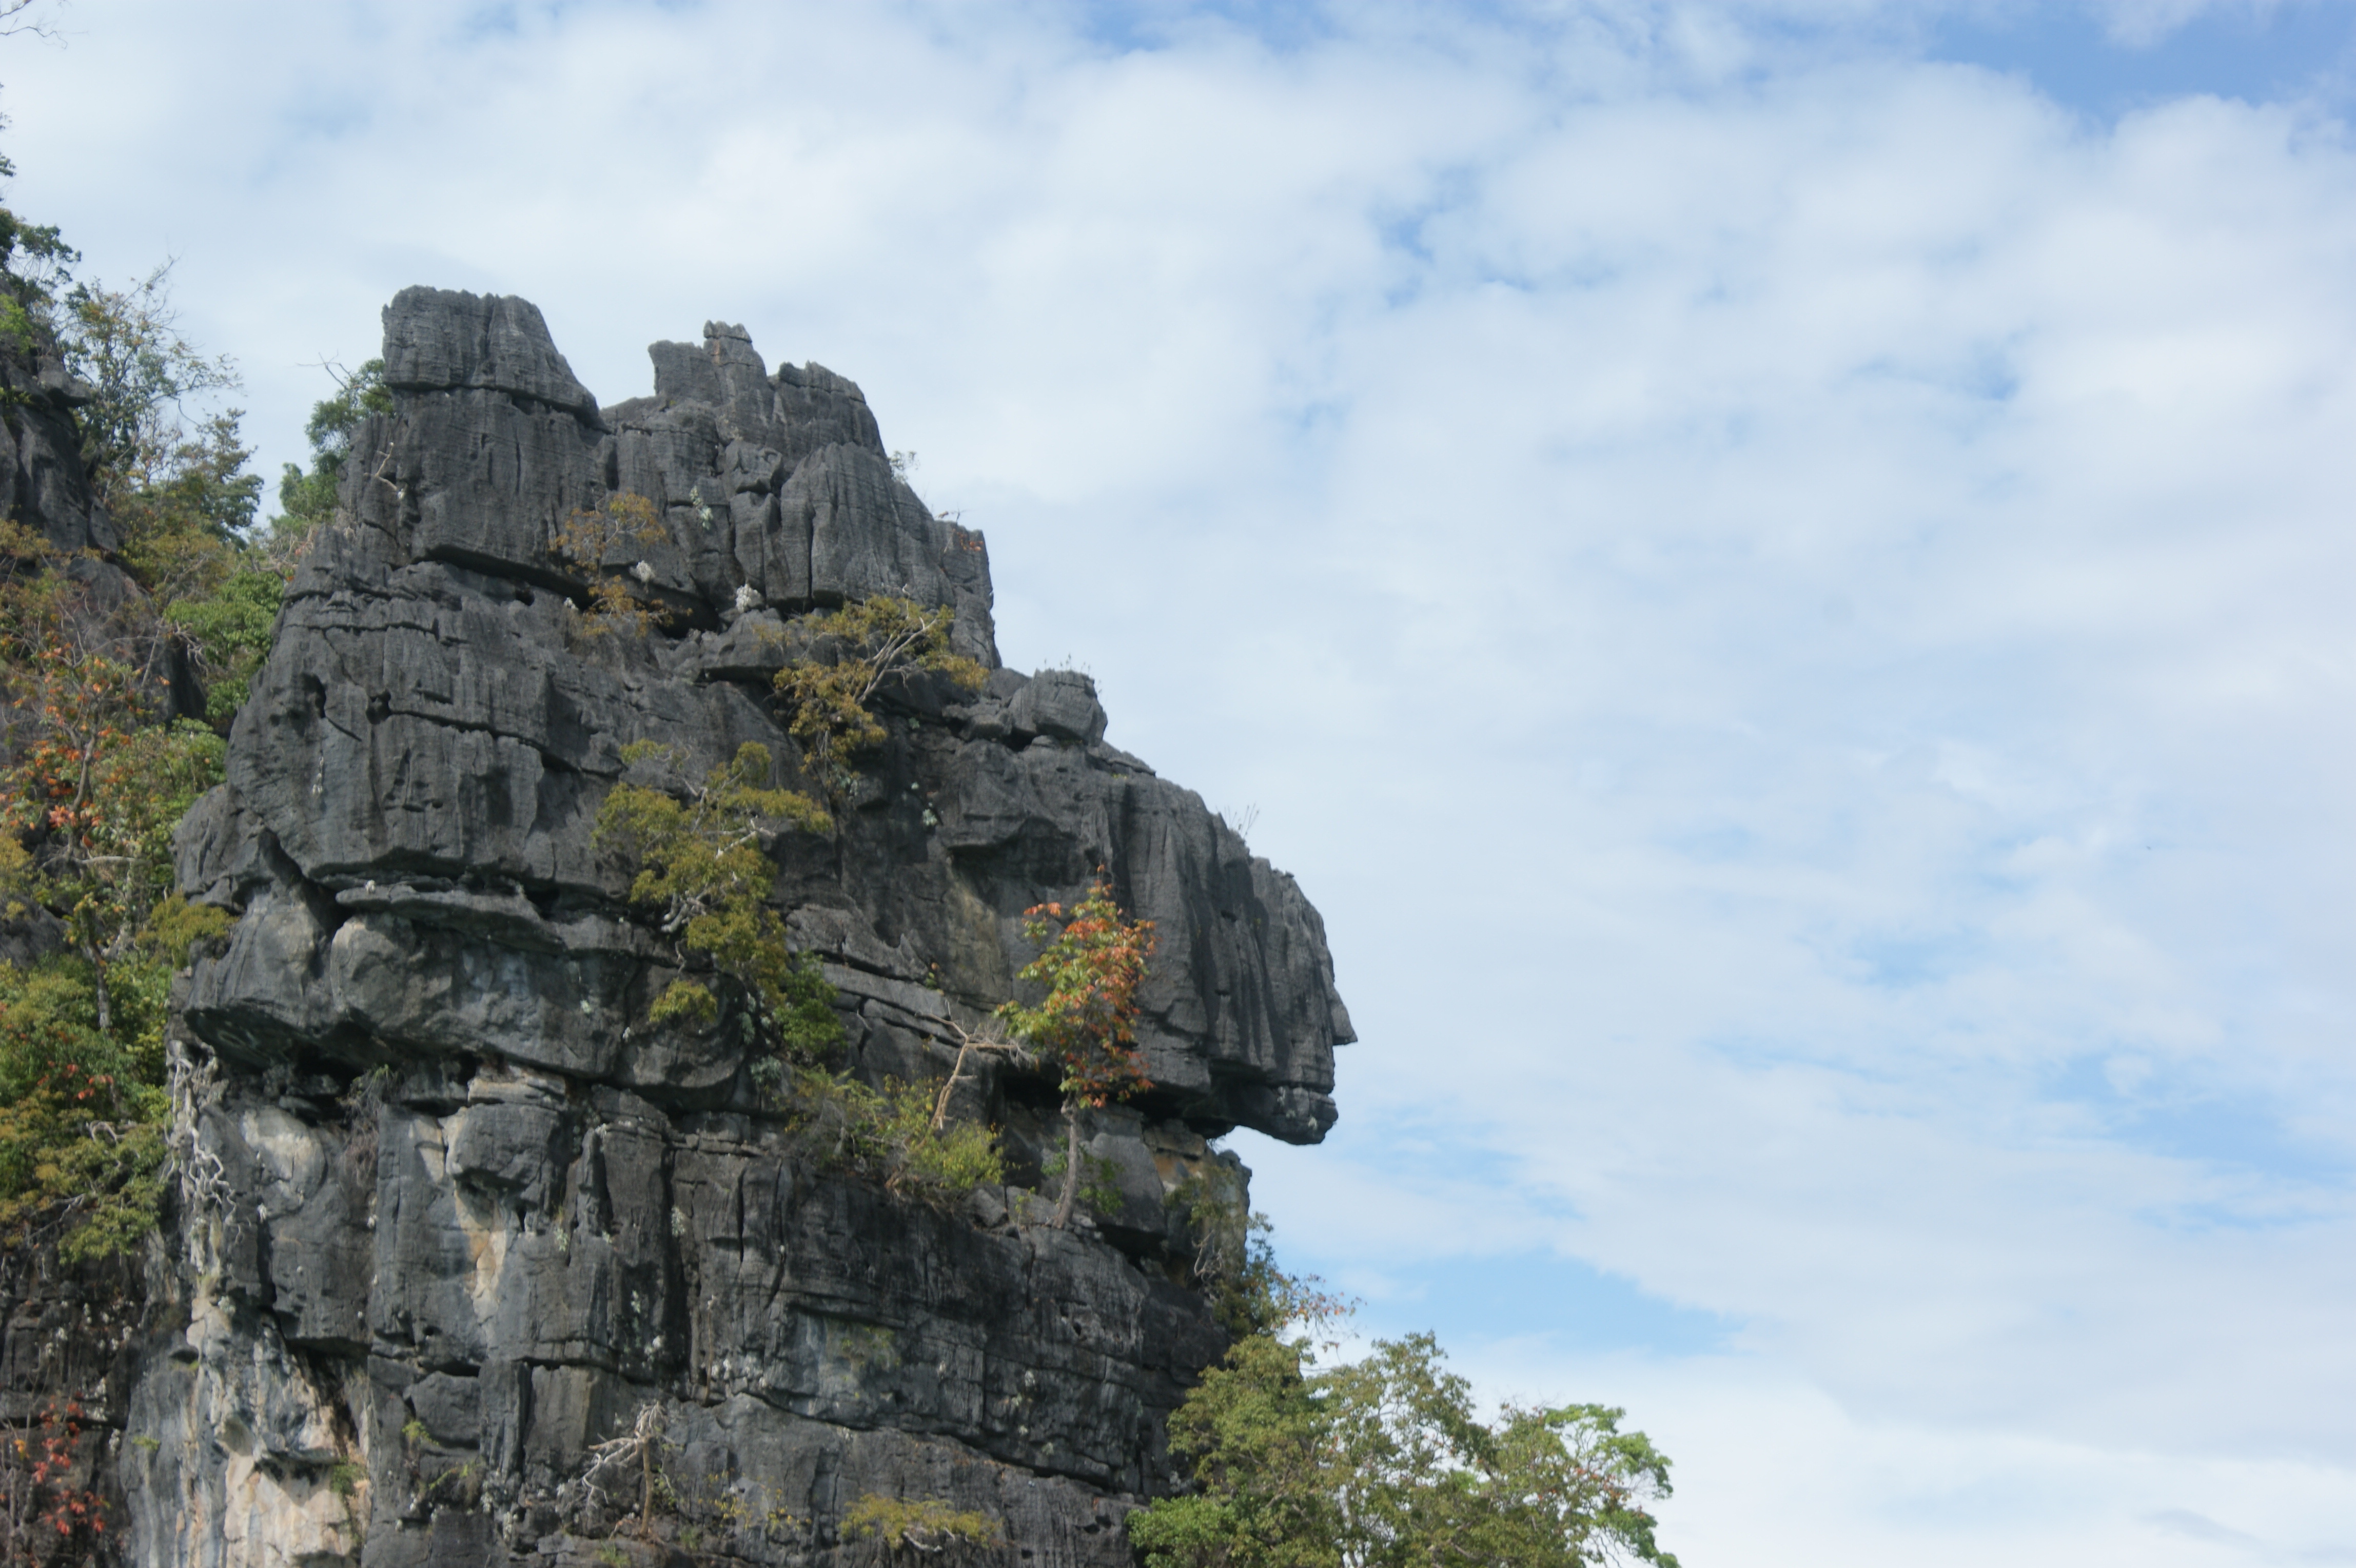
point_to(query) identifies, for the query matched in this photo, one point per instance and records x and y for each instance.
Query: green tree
(125, 345)
(703, 866)
(229, 630)
(96, 795)
(1087, 1022)
(92, 778)
(892, 1137)
(855, 652)
(1385, 1462)
(187, 540)
(306, 499)
(82, 1102)
(703, 869)
(35, 263)
(178, 492)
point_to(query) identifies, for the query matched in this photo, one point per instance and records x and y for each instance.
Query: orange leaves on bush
(49, 1458)
(1087, 1021)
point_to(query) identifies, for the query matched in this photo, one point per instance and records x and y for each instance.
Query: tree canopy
(100, 753)
(1385, 1462)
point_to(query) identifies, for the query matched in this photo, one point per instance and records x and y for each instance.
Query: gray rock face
(435, 341)
(458, 1211)
(45, 488)
(42, 482)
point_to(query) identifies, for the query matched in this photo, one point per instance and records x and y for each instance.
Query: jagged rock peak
(467, 1207)
(435, 341)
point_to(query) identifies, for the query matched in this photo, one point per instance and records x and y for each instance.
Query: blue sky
(2103, 63)
(1779, 572)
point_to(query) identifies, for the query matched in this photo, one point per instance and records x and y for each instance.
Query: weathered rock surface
(43, 483)
(456, 1211)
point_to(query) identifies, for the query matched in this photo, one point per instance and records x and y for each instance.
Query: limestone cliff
(454, 1210)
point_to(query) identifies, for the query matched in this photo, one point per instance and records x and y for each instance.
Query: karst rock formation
(454, 1211)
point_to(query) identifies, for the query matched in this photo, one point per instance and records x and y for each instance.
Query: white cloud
(1771, 1473)
(1787, 602)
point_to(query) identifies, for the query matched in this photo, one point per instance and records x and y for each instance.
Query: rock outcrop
(455, 1211)
(43, 482)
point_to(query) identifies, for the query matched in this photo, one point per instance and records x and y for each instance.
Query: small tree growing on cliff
(700, 863)
(1086, 1023)
(307, 500)
(926, 1526)
(874, 642)
(626, 524)
(90, 798)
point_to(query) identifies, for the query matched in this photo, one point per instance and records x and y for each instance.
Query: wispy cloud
(1784, 593)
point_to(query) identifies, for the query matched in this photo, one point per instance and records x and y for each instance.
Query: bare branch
(18, 19)
(968, 1041)
(639, 1445)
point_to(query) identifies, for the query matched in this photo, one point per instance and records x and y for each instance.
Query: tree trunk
(105, 1006)
(1071, 1164)
(646, 1490)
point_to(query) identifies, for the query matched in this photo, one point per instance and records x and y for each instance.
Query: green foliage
(306, 499)
(184, 540)
(698, 847)
(1087, 1022)
(892, 1137)
(125, 345)
(1216, 1205)
(925, 1525)
(81, 1115)
(1260, 1297)
(178, 495)
(88, 796)
(82, 1111)
(105, 795)
(190, 498)
(1385, 1462)
(97, 798)
(230, 631)
(34, 263)
(1254, 1437)
(701, 866)
(92, 784)
(856, 652)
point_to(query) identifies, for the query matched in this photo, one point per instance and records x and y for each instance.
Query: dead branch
(969, 1041)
